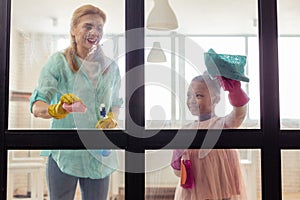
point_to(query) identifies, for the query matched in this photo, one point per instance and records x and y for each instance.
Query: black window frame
(269, 138)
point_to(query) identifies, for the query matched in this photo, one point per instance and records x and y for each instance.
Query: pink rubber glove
(77, 106)
(186, 178)
(176, 158)
(237, 97)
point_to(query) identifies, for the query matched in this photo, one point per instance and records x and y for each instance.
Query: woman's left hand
(108, 122)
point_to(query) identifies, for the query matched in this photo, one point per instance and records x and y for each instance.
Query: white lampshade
(156, 54)
(162, 16)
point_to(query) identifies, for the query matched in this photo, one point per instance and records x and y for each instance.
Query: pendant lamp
(156, 54)
(162, 16)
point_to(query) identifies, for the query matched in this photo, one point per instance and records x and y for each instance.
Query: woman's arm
(40, 109)
(57, 111)
(47, 86)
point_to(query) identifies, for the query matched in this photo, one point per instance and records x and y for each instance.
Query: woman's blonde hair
(70, 52)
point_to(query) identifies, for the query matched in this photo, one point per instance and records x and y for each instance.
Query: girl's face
(199, 100)
(88, 32)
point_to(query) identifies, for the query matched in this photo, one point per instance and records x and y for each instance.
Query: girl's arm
(236, 117)
(176, 160)
(237, 98)
(177, 172)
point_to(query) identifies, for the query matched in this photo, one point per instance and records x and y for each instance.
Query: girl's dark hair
(212, 84)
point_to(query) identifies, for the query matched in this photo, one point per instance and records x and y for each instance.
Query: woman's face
(88, 32)
(199, 100)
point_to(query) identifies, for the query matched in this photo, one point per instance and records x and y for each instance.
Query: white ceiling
(194, 16)
(37, 15)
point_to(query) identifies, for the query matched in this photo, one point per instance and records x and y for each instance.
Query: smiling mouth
(92, 40)
(194, 109)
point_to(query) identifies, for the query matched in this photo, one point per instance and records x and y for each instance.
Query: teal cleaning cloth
(229, 66)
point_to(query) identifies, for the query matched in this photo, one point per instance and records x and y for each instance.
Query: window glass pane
(38, 31)
(228, 28)
(27, 176)
(288, 43)
(290, 173)
(163, 183)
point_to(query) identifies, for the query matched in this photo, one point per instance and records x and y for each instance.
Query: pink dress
(217, 174)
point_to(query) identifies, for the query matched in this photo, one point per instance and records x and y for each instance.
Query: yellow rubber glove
(108, 122)
(57, 111)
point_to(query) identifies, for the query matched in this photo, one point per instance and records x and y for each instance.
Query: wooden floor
(291, 196)
(285, 196)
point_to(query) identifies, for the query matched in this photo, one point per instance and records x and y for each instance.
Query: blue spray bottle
(103, 152)
(102, 111)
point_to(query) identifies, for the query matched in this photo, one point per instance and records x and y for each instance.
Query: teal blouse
(56, 78)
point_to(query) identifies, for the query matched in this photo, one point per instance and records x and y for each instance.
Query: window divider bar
(135, 101)
(269, 92)
(4, 74)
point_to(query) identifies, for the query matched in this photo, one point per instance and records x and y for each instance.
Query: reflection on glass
(288, 44)
(27, 177)
(37, 34)
(208, 168)
(185, 48)
(290, 173)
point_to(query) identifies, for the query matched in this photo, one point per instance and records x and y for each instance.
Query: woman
(81, 73)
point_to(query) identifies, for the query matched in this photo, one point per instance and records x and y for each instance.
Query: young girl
(216, 173)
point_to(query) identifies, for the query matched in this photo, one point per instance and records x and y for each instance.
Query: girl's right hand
(237, 97)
